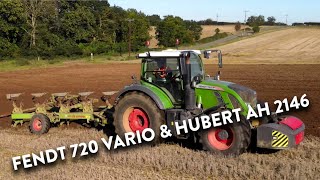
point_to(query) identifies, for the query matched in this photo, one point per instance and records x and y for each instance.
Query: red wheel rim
(36, 124)
(218, 142)
(138, 120)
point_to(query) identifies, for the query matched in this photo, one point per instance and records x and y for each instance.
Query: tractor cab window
(165, 73)
(161, 69)
(196, 66)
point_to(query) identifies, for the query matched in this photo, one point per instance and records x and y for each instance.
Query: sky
(228, 10)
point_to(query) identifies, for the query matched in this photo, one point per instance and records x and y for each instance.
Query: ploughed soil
(272, 82)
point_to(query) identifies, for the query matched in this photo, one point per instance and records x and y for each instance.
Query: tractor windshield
(164, 68)
(165, 73)
(160, 69)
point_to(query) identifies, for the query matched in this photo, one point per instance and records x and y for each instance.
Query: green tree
(66, 28)
(194, 28)
(256, 29)
(207, 22)
(271, 21)
(79, 24)
(103, 23)
(139, 29)
(255, 20)
(172, 28)
(11, 21)
(119, 16)
(154, 19)
(33, 10)
(41, 35)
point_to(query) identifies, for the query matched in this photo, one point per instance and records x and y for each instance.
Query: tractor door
(164, 73)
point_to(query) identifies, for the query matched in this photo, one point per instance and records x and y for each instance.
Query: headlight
(248, 95)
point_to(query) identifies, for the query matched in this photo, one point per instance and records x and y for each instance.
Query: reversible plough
(60, 108)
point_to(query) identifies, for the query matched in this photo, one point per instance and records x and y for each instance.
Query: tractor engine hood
(248, 95)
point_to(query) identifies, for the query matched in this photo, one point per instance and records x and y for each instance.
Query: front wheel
(229, 140)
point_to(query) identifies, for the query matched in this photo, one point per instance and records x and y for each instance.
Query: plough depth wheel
(39, 124)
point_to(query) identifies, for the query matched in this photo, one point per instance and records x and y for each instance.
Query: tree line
(260, 20)
(46, 29)
(67, 28)
(306, 24)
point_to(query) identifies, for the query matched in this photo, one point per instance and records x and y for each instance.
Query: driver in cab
(163, 72)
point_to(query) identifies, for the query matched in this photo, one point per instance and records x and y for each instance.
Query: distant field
(288, 46)
(208, 30)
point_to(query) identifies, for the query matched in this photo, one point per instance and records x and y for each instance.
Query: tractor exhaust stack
(189, 92)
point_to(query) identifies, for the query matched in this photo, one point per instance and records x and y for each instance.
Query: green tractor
(174, 87)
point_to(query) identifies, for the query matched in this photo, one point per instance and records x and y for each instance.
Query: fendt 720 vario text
(173, 87)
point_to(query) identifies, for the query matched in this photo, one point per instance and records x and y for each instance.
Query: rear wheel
(136, 112)
(39, 124)
(233, 139)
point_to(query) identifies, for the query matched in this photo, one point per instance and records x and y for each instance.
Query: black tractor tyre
(241, 137)
(39, 124)
(136, 101)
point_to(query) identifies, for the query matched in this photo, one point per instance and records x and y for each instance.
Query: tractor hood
(248, 95)
(214, 84)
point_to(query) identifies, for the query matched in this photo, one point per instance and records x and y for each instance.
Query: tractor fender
(139, 88)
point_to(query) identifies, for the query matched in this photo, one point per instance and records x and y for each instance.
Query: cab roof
(165, 53)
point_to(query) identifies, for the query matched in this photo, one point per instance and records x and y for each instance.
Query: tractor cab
(165, 70)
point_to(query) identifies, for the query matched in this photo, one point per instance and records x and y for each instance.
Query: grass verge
(27, 63)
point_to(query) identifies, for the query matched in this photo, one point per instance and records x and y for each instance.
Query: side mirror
(206, 54)
(196, 80)
(220, 59)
